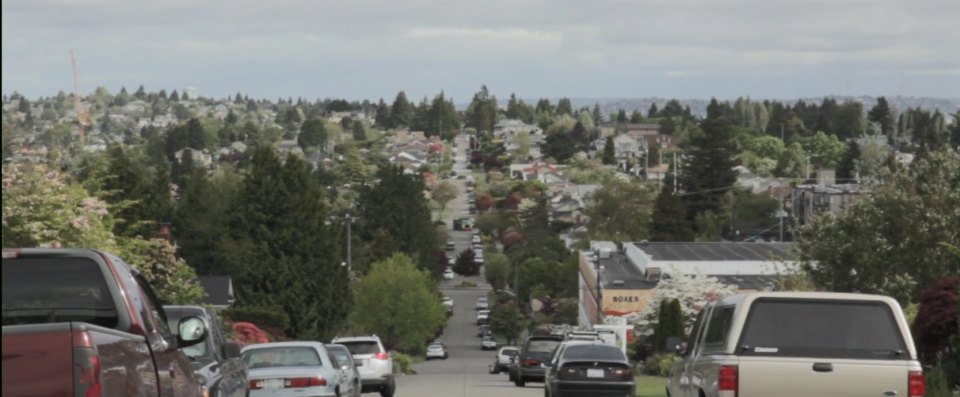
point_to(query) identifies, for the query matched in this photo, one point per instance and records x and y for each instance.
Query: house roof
(717, 251)
(219, 290)
(618, 273)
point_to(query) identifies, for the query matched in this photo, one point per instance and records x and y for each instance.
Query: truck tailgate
(37, 360)
(796, 377)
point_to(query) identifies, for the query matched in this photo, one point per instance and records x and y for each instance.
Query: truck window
(721, 320)
(694, 341)
(50, 290)
(822, 329)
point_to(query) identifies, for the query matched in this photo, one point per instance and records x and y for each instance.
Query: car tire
(519, 382)
(387, 391)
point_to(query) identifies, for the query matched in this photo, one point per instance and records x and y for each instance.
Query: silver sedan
(287, 369)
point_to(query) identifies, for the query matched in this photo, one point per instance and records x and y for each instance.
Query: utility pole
(599, 292)
(349, 219)
(676, 167)
(781, 132)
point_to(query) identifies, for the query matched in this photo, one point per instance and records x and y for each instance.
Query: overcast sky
(365, 49)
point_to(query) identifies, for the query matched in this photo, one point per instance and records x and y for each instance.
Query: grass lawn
(651, 386)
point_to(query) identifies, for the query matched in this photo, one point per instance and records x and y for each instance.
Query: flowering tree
(41, 209)
(693, 292)
(248, 334)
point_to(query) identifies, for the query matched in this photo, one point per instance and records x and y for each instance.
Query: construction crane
(83, 117)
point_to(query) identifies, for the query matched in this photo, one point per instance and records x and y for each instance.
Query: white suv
(374, 363)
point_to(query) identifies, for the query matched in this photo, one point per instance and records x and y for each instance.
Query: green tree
(140, 199)
(523, 142)
(482, 112)
(202, 218)
(279, 249)
(792, 162)
(507, 321)
(708, 171)
(394, 216)
(382, 118)
(441, 117)
(636, 116)
(670, 221)
(847, 167)
(670, 323)
(653, 111)
(882, 114)
(359, 132)
(496, 270)
(174, 281)
(564, 107)
(620, 212)
(825, 150)
(396, 302)
(597, 114)
(442, 193)
(873, 245)
(873, 155)
(313, 133)
(609, 156)
(401, 113)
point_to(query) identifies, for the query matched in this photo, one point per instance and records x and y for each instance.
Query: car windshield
(360, 348)
(51, 290)
(288, 356)
(825, 329)
(510, 352)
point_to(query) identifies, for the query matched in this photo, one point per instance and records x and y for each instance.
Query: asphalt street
(465, 373)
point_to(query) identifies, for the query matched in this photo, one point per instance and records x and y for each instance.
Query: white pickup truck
(799, 344)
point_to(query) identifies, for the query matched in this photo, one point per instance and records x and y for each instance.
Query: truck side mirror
(193, 330)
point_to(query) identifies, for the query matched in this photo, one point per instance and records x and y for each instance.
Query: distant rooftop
(618, 273)
(717, 251)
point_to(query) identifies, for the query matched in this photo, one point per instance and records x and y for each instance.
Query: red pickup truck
(85, 323)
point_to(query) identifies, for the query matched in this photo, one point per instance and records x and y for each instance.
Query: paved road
(465, 373)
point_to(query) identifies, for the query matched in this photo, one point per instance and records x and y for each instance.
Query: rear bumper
(532, 374)
(375, 384)
(569, 388)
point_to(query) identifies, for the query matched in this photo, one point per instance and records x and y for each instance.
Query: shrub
(659, 365)
(272, 319)
(249, 334)
(404, 363)
(467, 284)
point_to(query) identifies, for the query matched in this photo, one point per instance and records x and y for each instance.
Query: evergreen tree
(174, 96)
(544, 106)
(597, 114)
(664, 323)
(670, 221)
(636, 116)
(202, 218)
(140, 93)
(279, 250)
(401, 113)
(142, 200)
(359, 132)
(482, 112)
(382, 119)
(882, 114)
(609, 152)
(231, 118)
(847, 169)
(24, 106)
(313, 133)
(564, 107)
(394, 216)
(442, 117)
(708, 171)
(653, 112)
(622, 116)
(955, 131)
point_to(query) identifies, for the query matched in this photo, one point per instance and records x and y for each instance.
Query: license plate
(273, 383)
(594, 373)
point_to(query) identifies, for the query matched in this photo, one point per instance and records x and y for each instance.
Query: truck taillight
(86, 363)
(382, 356)
(728, 382)
(529, 362)
(917, 384)
(256, 384)
(304, 382)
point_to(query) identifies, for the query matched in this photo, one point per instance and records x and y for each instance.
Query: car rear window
(50, 290)
(594, 352)
(822, 329)
(510, 352)
(357, 348)
(293, 356)
(542, 345)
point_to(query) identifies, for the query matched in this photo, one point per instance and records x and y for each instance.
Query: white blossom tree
(693, 292)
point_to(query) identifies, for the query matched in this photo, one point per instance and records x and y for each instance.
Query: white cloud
(494, 35)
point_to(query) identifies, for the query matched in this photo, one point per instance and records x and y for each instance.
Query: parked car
(294, 368)
(344, 359)
(484, 330)
(488, 343)
(536, 352)
(799, 344)
(436, 350)
(476, 239)
(375, 364)
(216, 361)
(590, 368)
(80, 322)
(504, 357)
(448, 274)
(451, 260)
(483, 317)
(451, 245)
(481, 304)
